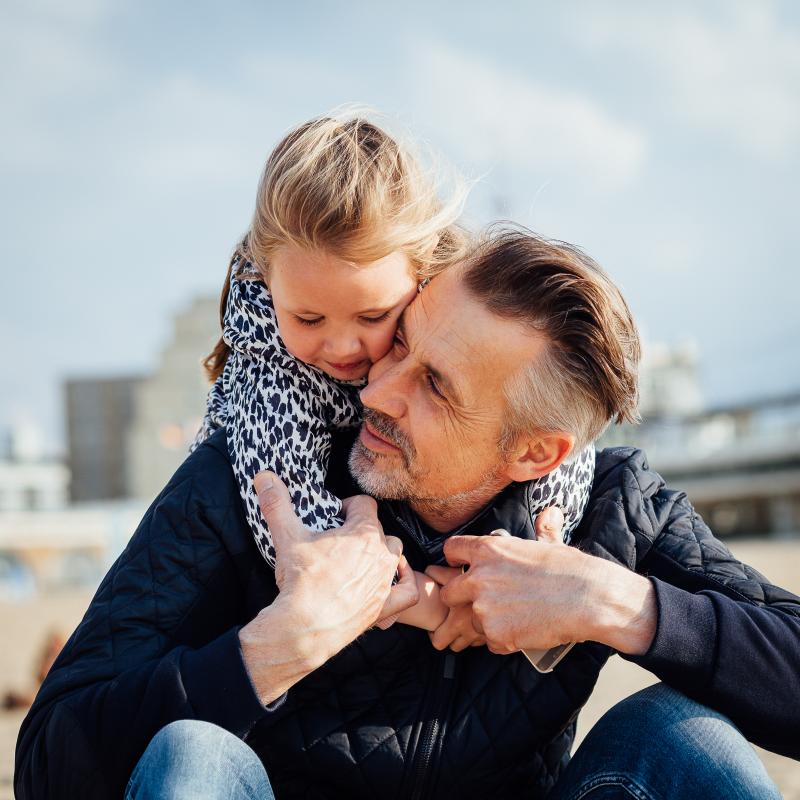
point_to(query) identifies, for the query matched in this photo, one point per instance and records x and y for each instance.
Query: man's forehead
(457, 336)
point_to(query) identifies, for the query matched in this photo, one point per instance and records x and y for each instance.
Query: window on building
(30, 498)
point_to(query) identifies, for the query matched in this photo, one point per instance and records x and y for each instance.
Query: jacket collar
(509, 510)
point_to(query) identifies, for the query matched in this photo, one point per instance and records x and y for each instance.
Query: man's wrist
(624, 610)
(277, 650)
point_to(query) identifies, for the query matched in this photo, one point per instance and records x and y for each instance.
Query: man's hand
(457, 631)
(333, 586)
(536, 594)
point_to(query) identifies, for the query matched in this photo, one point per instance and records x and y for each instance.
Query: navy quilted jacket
(390, 716)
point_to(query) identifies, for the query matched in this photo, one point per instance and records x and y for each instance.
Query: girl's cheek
(382, 344)
(297, 343)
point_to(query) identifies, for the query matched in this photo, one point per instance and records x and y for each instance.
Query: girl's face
(337, 316)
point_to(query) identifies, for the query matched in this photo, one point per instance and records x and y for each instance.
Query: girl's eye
(309, 322)
(379, 318)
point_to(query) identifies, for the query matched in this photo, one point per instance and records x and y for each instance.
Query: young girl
(347, 228)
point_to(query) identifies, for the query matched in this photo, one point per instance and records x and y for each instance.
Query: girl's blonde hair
(341, 183)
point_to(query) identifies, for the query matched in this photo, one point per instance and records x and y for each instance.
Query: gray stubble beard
(372, 480)
(404, 487)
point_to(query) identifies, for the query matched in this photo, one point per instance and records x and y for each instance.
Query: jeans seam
(130, 788)
(625, 782)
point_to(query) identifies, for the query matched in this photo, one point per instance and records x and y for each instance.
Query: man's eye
(309, 322)
(433, 386)
(379, 318)
(399, 344)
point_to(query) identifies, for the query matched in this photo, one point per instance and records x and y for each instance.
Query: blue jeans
(188, 760)
(655, 745)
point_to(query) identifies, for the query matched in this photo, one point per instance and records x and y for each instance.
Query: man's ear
(539, 455)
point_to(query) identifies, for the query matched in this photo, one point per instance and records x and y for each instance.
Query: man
(499, 372)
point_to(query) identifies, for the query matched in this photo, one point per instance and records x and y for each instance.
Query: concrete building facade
(169, 405)
(99, 414)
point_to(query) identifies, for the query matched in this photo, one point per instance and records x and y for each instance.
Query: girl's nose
(343, 347)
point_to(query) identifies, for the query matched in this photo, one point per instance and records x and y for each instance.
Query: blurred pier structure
(61, 549)
(46, 542)
(739, 463)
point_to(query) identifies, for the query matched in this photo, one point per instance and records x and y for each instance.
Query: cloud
(193, 130)
(737, 76)
(493, 114)
(181, 131)
(50, 57)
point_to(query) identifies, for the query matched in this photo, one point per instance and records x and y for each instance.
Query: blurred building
(99, 414)
(30, 486)
(669, 381)
(28, 480)
(169, 405)
(669, 391)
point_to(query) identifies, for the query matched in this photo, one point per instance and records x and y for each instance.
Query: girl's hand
(429, 612)
(456, 632)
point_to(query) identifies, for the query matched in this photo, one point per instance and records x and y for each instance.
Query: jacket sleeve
(725, 636)
(139, 660)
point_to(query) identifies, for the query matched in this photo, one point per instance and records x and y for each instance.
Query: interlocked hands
(463, 628)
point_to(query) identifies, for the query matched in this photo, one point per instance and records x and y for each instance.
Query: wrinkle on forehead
(453, 333)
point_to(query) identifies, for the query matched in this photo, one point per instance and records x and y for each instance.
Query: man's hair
(587, 374)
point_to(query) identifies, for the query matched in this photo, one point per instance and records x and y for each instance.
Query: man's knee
(662, 714)
(188, 756)
(686, 740)
(692, 738)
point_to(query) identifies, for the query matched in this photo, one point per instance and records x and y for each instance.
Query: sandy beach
(23, 627)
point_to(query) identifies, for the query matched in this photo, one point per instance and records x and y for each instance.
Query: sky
(664, 139)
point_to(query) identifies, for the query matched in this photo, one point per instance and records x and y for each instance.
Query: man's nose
(387, 388)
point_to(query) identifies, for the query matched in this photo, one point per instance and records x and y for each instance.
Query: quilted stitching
(508, 728)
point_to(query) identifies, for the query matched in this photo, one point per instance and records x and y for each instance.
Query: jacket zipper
(432, 728)
(439, 695)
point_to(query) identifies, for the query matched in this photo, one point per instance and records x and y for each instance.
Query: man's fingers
(404, 593)
(458, 592)
(276, 506)
(550, 524)
(394, 545)
(442, 575)
(460, 550)
(358, 508)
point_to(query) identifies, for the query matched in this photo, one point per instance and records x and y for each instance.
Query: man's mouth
(372, 440)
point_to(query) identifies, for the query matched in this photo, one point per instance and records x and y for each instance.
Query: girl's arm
(429, 612)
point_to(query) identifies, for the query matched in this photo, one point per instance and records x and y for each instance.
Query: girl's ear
(539, 455)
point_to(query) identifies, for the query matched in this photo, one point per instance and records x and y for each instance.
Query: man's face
(434, 405)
